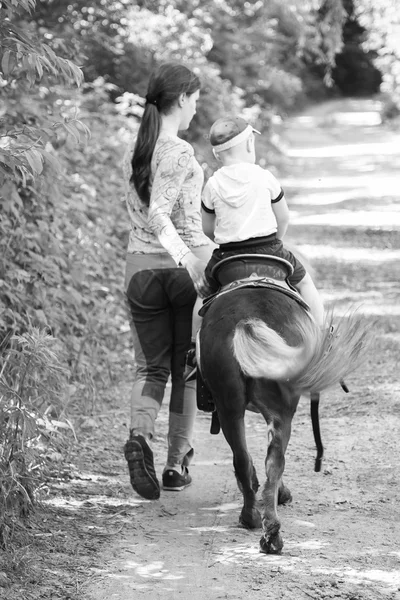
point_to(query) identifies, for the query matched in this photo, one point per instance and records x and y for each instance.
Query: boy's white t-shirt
(241, 196)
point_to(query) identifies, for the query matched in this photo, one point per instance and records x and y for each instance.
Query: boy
(244, 208)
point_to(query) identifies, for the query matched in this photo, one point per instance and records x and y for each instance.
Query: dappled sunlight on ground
(236, 553)
(376, 189)
(74, 503)
(371, 117)
(364, 306)
(223, 507)
(348, 254)
(289, 562)
(80, 477)
(214, 528)
(308, 545)
(391, 578)
(141, 576)
(209, 463)
(154, 570)
(346, 150)
(324, 185)
(304, 523)
(360, 218)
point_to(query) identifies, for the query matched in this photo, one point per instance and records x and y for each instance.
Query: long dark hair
(165, 86)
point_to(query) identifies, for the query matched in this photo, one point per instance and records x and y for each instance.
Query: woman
(167, 254)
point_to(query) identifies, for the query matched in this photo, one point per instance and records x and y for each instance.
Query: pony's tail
(320, 360)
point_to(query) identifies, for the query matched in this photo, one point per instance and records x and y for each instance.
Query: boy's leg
(302, 281)
(311, 295)
(190, 359)
(216, 257)
(196, 321)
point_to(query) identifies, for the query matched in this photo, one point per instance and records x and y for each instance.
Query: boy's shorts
(269, 245)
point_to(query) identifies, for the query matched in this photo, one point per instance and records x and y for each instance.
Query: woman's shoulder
(172, 143)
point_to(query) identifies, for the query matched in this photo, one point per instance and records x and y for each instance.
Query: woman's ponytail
(165, 86)
(148, 133)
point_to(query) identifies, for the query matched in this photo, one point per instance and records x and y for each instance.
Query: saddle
(255, 271)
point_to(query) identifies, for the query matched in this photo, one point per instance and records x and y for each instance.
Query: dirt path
(342, 531)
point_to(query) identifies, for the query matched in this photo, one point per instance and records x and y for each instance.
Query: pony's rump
(320, 358)
(262, 352)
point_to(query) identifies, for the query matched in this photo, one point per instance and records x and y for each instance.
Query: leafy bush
(59, 254)
(32, 393)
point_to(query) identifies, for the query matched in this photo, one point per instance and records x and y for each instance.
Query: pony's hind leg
(234, 432)
(254, 481)
(278, 434)
(284, 494)
(255, 484)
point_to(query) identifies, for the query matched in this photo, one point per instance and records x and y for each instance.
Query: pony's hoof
(284, 495)
(273, 545)
(251, 520)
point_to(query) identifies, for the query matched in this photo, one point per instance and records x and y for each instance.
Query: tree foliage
(355, 73)
(26, 126)
(260, 48)
(381, 19)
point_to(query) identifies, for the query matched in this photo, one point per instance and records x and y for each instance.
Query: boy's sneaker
(174, 481)
(141, 467)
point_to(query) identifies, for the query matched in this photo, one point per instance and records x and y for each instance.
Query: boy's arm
(208, 211)
(278, 202)
(208, 220)
(281, 212)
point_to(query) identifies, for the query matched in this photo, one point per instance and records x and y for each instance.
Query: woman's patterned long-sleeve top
(172, 222)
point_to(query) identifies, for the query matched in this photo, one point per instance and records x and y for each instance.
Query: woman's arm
(168, 180)
(281, 212)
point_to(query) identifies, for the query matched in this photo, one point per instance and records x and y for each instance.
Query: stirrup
(191, 376)
(190, 365)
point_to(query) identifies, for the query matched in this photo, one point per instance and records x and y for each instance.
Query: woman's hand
(195, 267)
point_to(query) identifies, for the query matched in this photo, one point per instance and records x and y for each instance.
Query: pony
(259, 349)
